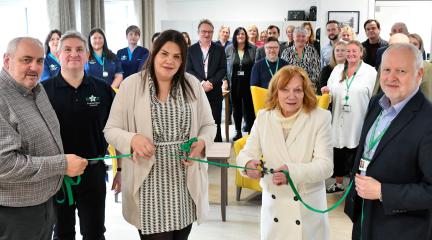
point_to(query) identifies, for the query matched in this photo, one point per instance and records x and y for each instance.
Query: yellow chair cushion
(259, 95)
(244, 182)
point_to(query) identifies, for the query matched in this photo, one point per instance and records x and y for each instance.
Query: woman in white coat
(154, 112)
(292, 133)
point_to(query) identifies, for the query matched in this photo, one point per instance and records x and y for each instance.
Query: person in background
(82, 104)
(155, 36)
(103, 63)
(333, 32)
(263, 36)
(399, 27)
(153, 114)
(265, 69)
(392, 195)
(350, 85)
(292, 133)
(32, 159)
(187, 38)
(310, 37)
(240, 60)
(290, 38)
(207, 62)
(303, 55)
(373, 29)
(254, 36)
(224, 34)
(347, 33)
(338, 57)
(272, 31)
(417, 41)
(51, 63)
(132, 57)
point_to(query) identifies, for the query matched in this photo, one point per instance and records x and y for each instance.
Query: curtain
(92, 15)
(145, 13)
(57, 9)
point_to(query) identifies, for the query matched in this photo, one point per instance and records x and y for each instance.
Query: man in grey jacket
(32, 163)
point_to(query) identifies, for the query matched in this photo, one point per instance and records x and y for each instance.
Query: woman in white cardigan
(154, 112)
(292, 133)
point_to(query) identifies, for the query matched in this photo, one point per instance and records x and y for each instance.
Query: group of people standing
(62, 126)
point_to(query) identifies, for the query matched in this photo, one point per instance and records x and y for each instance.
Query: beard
(333, 37)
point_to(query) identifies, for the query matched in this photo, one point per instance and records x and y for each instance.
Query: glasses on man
(271, 48)
(206, 32)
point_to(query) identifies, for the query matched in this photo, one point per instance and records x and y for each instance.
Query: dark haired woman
(51, 62)
(152, 115)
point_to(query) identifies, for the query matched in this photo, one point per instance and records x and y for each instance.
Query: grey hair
(72, 34)
(299, 30)
(13, 44)
(415, 52)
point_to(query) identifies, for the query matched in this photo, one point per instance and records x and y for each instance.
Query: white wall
(185, 14)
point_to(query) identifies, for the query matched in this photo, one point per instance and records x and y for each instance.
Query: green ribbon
(68, 182)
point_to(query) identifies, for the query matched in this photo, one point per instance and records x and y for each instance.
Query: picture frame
(351, 18)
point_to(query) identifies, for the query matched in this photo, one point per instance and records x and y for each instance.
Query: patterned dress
(165, 203)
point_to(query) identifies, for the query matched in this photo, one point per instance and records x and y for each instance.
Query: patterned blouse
(310, 61)
(165, 202)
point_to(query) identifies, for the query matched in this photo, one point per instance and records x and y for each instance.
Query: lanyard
(297, 56)
(100, 60)
(349, 82)
(54, 58)
(205, 58)
(373, 141)
(129, 54)
(268, 66)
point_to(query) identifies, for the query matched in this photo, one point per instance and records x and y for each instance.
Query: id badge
(364, 163)
(240, 73)
(346, 108)
(105, 74)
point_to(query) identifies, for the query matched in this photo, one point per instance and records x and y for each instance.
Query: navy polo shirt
(82, 113)
(132, 62)
(95, 68)
(261, 75)
(51, 67)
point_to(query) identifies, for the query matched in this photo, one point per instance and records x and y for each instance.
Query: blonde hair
(281, 79)
(349, 30)
(257, 32)
(333, 62)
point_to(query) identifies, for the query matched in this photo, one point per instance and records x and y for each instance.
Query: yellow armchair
(258, 98)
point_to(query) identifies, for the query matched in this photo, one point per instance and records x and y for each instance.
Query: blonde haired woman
(253, 34)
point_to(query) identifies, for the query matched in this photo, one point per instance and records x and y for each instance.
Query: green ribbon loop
(68, 182)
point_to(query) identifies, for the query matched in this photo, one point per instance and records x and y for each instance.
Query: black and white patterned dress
(165, 203)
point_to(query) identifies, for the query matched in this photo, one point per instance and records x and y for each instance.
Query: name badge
(364, 163)
(346, 108)
(105, 74)
(240, 73)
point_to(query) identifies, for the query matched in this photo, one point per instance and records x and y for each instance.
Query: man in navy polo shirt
(82, 104)
(132, 57)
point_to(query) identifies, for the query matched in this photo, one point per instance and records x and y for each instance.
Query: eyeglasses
(271, 48)
(204, 32)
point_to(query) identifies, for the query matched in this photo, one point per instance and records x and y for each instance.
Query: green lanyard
(373, 141)
(349, 82)
(268, 66)
(297, 56)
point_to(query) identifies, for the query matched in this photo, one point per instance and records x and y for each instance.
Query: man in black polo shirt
(82, 104)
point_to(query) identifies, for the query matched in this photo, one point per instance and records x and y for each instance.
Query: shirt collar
(61, 82)
(21, 89)
(387, 107)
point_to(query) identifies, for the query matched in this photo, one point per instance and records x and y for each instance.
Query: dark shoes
(237, 136)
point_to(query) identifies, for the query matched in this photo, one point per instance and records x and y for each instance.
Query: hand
(255, 174)
(367, 187)
(75, 165)
(279, 177)
(225, 85)
(197, 149)
(142, 147)
(208, 86)
(116, 185)
(325, 90)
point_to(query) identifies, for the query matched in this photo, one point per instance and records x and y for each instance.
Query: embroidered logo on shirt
(124, 57)
(53, 67)
(93, 101)
(92, 61)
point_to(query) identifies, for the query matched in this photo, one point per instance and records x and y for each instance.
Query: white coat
(308, 153)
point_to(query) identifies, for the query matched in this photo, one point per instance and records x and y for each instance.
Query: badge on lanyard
(240, 73)
(105, 74)
(346, 108)
(364, 163)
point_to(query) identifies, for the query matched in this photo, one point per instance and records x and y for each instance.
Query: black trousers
(243, 108)
(29, 223)
(216, 107)
(343, 160)
(89, 198)
(181, 234)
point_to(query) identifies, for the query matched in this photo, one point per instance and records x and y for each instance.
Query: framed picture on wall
(350, 18)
